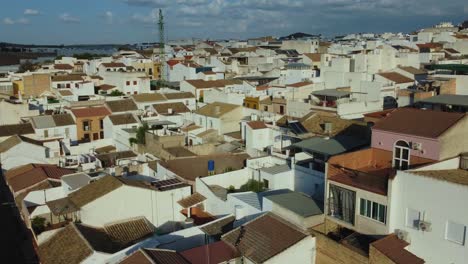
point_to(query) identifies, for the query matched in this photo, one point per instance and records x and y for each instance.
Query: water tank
(464, 161)
(239, 212)
(211, 165)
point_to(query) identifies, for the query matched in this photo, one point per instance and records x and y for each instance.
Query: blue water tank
(211, 165)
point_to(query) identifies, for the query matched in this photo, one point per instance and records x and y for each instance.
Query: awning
(192, 200)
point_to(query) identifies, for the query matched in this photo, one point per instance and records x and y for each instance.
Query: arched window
(401, 155)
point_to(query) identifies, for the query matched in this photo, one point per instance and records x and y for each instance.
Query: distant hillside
(299, 35)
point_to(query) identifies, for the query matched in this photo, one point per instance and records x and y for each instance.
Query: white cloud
(67, 18)
(151, 18)
(8, 21)
(21, 20)
(154, 3)
(31, 12)
(109, 16)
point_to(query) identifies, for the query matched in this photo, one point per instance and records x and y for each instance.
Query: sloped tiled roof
(263, 238)
(300, 84)
(396, 77)
(394, 249)
(182, 95)
(65, 92)
(68, 78)
(113, 65)
(122, 105)
(257, 125)
(63, 67)
(15, 140)
(28, 175)
(90, 112)
(148, 97)
(416, 122)
(94, 190)
(216, 109)
(214, 253)
(176, 108)
(191, 200)
(123, 119)
(130, 230)
(412, 70)
(313, 56)
(50, 121)
(66, 246)
(202, 84)
(155, 256)
(16, 129)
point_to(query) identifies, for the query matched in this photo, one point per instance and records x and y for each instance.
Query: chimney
(169, 111)
(328, 127)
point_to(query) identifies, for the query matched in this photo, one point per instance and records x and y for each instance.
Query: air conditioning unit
(403, 235)
(416, 146)
(424, 226)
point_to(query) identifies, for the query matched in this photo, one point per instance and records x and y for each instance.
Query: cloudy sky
(131, 21)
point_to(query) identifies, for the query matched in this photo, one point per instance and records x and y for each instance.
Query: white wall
(22, 154)
(126, 202)
(439, 202)
(303, 251)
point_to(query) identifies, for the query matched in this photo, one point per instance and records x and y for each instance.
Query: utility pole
(162, 52)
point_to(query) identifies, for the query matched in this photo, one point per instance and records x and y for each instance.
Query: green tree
(116, 93)
(253, 186)
(38, 224)
(26, 66)
(140, 135)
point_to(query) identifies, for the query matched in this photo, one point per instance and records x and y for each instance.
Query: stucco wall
(386, 140)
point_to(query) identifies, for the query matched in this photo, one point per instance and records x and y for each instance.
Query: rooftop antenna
(162, 55)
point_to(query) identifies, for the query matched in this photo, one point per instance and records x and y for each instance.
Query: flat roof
(332, 146)
(447, 99)
(297, 203)
(331, 93)
(457, 176)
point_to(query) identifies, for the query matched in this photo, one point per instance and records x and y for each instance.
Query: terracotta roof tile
(396, 77)
(263, 238)
(300, 84)
(175, 107)
(394, 249)
(16, 129)
(26, 176)
(63, 67)
(257, 125)
(123, 119)
(315, 57)
(122, 105)
(148, 97)
(202, 84)
(90, 112)
(181, 95)
(416, 122)
(214, 253)
(191, 200)
(216, 109)
(114, 65)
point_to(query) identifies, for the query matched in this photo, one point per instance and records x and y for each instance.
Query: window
(266, 183)
(86, 125)
(455, 232)
(373, 210)
(341, 203)
(68, 85)
(412, 218)
(128, 83)
(401, 155)
(101, 123)
(46, 133)
(135, 82)
(265, 108)
(101, 134)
